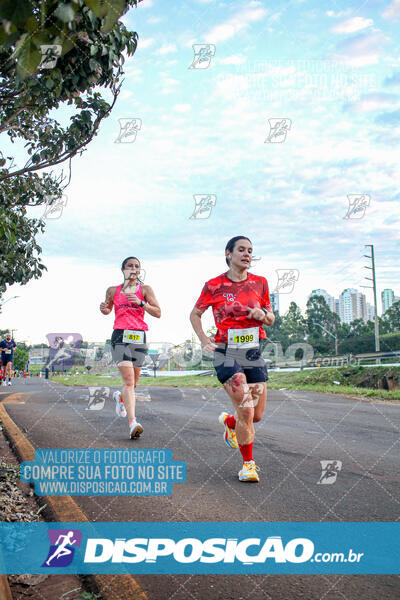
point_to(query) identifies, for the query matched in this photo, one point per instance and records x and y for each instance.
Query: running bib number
(8, 351)
(132, 336)
(243, 338)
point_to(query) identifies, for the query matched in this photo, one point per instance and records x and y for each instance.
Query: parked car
(146, 372)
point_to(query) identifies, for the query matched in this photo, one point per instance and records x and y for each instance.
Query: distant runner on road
(241, 305)
(7, 354)
(131, 300)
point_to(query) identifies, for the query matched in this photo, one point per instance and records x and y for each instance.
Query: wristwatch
(142, 303)
(265, 310)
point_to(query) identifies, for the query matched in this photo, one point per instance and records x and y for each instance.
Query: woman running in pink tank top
(131, 300)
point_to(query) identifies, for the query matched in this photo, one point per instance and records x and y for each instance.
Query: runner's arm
(259, 314)
(107, 305)
(152, 307)
(195, 319)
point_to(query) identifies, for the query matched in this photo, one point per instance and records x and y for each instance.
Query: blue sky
(331, 70)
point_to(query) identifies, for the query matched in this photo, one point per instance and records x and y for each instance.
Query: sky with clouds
(328, 73)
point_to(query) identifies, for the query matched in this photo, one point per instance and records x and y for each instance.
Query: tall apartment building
(274, 297)
(352, 305)
(388, 298)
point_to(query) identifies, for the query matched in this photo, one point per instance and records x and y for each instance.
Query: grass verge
(318, 380)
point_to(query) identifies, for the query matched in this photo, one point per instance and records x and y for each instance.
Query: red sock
(231, 421)
(246, 451)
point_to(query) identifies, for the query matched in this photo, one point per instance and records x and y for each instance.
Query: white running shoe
(135, 430)
(9, 383)
(4, 383)
(249, 472)
(119, 405)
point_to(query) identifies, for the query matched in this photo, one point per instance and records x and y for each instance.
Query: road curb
(65, 509)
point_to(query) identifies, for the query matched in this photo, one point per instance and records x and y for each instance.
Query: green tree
(276, 332)
(320, 320)
(91, 42)
(20, 358)
(359, 328)
(294, 324)
(391, 319)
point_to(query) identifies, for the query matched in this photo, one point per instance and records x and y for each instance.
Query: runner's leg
(259, 398)
(137, 374)
(128, 388)
(239, 392)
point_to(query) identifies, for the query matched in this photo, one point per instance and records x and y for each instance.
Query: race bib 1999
(243, 338)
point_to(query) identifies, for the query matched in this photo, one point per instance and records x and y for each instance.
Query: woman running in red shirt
(241, 305)
(128, 342)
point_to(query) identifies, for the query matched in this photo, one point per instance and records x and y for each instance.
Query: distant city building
(330, 300)
(274, 297)
(38, 356)
(370, 312)
(337, 307)
(388, 298)
(352, 305)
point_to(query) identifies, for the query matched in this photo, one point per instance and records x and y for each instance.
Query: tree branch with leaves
(89, 44)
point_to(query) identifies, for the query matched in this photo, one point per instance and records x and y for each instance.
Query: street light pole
(8, 299)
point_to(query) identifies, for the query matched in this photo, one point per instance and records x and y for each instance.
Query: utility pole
(373, 279)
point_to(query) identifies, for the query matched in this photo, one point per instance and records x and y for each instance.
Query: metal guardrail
(334, 361)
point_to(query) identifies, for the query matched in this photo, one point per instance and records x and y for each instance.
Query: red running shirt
(229, 301)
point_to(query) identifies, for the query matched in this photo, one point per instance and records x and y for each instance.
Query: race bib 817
(132, 336)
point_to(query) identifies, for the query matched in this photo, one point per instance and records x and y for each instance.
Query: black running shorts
(134, 353)
(228, 361)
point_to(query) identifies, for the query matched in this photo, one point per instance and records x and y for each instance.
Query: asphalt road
(299, 430)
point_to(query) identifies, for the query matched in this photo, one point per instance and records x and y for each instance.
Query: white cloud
(392, 12)
(182, 108)
(339, 14)
(361, 50)
(235, 59)
(370, 102)
(125, 94)
(145, 42)
(352, 25)
(241, 20)
(133, 72)
(169, 80)
(276, 16)
(166, 49)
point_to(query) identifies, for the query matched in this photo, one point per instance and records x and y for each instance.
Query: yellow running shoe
(229, 434)
(249, 472)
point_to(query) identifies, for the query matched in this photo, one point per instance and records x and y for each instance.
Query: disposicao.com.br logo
(213, 550)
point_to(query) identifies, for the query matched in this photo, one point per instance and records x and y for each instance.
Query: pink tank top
(127, 314)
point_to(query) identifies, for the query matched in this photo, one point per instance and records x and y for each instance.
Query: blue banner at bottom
(200, 548)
